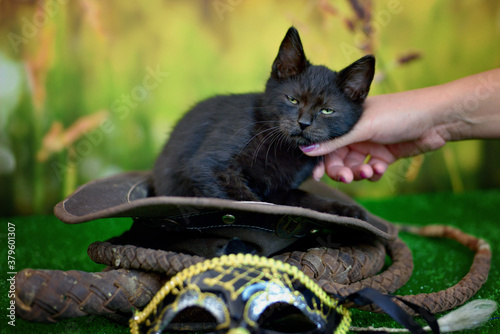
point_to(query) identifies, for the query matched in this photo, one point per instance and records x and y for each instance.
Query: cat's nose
(304, 123)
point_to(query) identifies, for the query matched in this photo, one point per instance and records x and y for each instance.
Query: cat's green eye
(327, 111)
(292, 100)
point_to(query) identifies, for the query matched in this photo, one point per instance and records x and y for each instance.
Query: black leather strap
(368, 296)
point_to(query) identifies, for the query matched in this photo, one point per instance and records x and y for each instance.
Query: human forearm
(470, 107)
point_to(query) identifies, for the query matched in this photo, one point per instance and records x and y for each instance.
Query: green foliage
(139, 67)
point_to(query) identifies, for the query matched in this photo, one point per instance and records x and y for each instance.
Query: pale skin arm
(406, 124)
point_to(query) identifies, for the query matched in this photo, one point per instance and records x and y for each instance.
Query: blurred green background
(91, 88)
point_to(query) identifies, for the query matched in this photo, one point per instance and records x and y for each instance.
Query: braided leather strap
(53, 295)
(339, 271)
(435, 302)
(390, 280)
(45, 295)
(467, 287)
(133, 257)
(342, 265)
(346, 264)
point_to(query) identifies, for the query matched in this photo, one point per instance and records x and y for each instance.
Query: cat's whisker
(282, 140)
(250, 125)
(256, 135)
(269, 135)
(254, 154)
(275, 139)
(278, 144)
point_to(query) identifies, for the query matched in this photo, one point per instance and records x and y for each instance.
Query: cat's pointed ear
(355, 79)
(291, 59)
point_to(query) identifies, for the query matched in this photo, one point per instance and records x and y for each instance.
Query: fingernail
(309, 148)
(363, 175)
(343, 180)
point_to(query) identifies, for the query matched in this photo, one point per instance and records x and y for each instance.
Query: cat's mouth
(302, 138)
(297, 136)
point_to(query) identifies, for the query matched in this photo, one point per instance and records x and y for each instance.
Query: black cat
(246, 147)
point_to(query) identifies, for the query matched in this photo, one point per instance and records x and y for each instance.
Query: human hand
(409, 123)
(357, 161)
(384, 134)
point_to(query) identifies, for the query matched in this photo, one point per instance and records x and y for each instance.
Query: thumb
(319, 149)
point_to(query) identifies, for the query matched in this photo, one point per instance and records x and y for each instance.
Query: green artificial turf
(44, 242)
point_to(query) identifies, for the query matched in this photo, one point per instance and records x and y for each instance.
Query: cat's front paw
(353, 211)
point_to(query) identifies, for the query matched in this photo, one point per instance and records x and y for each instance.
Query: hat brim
(130, 195)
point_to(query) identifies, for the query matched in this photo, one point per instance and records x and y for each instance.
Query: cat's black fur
(246, 147)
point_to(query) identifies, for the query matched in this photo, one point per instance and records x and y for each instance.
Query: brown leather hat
(130, 195)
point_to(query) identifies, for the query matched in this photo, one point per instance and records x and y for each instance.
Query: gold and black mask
(242, 294)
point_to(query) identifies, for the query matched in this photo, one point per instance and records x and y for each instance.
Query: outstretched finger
(340, 173)
(379, 167)
(362, 171)
(356, 162)
(335, 167)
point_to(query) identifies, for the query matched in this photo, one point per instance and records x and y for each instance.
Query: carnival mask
(242, 294)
